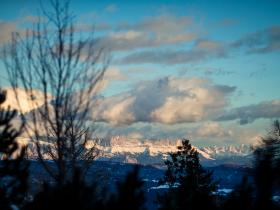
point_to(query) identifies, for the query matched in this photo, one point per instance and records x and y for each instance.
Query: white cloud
(113, 73)
(200, 133)
(115, 110)
(213, 130)
(6, 29)
(127, 35)
(168, 100)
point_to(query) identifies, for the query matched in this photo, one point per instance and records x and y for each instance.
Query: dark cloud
(225, 88)
(264, 41)
(202, 49)
(162, 57)
(217, 72)
(154, 31)
(248, 114)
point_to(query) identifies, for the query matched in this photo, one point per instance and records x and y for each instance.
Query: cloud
(172, 29)
(248, 114)
(206, 70)
(202, 49)
(113, 73)
(151, 32)
(33, 19)
(82, 26)
(264, 41)
(6, 29)
(212, 130)
(206, 133)
(167, 100)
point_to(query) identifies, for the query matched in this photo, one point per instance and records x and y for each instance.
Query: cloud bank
(248, 114)
(151, 32)
(263, 41)
(168, 100)
(6, 29)
(201, 50)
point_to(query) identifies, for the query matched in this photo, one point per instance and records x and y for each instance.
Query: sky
(198, 69)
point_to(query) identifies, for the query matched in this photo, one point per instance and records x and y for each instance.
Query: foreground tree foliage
(78, 194)
(266, 168)
(190, 185)
(13, 166)
(258, 195)
(241, 197)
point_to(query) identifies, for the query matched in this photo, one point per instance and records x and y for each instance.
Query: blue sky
(205, 70)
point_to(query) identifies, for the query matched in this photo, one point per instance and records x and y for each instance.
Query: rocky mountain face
(155, 152)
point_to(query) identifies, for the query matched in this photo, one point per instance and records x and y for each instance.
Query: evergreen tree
(190, 185)
(266, 168)
(13, 166)
(265, 175)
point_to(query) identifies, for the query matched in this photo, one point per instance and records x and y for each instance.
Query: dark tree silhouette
(130, 195)
(266, 168)
(259, 194)
(72, 195)
(13, 166)
(241, 197)
(79, 195)
(190, 185)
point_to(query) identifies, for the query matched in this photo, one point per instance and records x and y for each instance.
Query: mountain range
(155, 152)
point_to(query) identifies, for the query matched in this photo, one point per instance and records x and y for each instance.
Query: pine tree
(13, 166)
(266, 168)
(190, 185)
(258, 196)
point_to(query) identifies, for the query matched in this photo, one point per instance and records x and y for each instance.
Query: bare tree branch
(66, 69)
